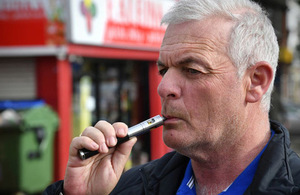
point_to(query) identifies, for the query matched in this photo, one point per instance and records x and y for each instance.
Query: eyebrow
(160, 63)
(185, 60)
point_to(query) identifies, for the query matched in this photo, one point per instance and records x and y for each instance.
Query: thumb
(121, 155)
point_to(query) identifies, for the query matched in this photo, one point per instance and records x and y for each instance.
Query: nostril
(172, 95)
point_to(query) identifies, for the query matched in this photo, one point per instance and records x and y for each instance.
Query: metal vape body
(133, 131)
(144, 126)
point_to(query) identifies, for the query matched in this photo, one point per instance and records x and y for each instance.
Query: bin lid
(20, 105)
(42, 116)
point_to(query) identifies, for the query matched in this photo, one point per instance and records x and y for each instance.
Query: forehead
(209, 35)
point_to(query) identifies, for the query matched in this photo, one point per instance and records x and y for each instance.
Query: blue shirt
(239, 185)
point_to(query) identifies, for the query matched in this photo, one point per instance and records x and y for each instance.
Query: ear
(260, 76)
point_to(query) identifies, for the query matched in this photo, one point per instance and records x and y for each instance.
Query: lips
(171, 119)
(172, 113)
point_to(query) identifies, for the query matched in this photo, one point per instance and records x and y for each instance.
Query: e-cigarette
(133, 131)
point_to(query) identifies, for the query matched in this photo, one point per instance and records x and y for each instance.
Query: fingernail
(122, 131)
(103, 148)
(95, 146)
(112, 141)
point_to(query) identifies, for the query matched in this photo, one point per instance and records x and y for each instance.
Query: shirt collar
(239, 185)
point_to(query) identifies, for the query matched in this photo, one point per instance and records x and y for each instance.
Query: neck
(220, 167)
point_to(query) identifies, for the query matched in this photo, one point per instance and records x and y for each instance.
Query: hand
(100, 173)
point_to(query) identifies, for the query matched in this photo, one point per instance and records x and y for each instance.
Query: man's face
(201, 94)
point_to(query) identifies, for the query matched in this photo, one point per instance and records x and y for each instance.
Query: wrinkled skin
(98, 174)
(199, 85)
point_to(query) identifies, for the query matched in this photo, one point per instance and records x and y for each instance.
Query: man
(217, 60)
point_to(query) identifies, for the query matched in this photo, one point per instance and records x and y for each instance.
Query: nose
(169, 86)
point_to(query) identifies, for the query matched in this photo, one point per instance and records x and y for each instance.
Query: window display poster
(32, 22)
(126, 23)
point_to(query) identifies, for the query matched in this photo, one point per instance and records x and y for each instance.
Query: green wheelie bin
(26, 150)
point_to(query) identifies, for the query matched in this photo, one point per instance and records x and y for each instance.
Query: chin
(173, 140)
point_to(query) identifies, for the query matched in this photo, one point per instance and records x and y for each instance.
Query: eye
(191, 71)
(163, 71)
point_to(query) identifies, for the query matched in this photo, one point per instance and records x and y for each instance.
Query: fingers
(106, 167)
(121, 129)
(103, 135)
(108, 132)
(82, 142)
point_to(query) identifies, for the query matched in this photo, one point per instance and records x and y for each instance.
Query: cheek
(209, 101)
(198, 103)
(200, 95)
(194, 97)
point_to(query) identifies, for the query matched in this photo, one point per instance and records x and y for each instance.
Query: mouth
(170, 119)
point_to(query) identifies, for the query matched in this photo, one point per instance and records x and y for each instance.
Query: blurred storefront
(113, 48)
(292, 93)
(34, 64)
(89, 60)
(285, 17)
(92, 60)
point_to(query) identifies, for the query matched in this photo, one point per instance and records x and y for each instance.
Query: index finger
(121, 129)
(108, 131)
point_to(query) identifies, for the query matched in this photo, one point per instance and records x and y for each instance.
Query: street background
(65, 64)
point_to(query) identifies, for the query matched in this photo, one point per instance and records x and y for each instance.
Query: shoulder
(54, 189)
(278, 170)
(289, 157)
(140, 178)
(294, 162)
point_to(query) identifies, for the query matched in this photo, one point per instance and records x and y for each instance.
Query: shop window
(112, 90)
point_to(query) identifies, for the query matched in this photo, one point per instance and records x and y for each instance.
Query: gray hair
(252, 38)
